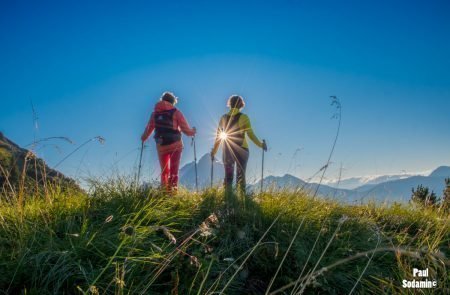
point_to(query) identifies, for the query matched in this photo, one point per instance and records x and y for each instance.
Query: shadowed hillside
(21, 167)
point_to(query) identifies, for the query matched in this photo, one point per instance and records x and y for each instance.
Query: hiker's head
(235, 102)
(169, 97)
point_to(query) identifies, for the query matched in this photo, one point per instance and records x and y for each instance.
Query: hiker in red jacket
(168, 123)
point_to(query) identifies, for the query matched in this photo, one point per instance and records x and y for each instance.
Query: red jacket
(179, 123)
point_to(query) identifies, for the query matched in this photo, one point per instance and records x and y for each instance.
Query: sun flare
(223, 136)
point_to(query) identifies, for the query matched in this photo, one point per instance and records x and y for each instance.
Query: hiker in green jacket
(231, 134)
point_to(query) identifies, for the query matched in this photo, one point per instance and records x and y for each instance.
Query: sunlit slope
(119, 240)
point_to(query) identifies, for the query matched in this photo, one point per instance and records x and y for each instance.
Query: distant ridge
(388, 188)
(187, 173)
(442, 171)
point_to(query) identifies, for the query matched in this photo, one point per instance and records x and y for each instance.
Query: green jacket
(244, 125)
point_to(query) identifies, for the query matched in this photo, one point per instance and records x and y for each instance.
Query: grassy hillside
(20, 169)
(121, 241)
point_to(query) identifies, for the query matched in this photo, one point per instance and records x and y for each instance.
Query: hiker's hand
(264, 145)
(143, 138)
(194, 130)
(212, 157)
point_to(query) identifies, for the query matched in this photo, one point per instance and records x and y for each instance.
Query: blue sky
(97, 68)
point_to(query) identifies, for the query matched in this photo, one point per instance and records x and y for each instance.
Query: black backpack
(230, 125)
(164, 132)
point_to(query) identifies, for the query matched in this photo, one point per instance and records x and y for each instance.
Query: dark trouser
(235, 156)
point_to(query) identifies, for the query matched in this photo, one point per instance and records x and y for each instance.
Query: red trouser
(169, 162)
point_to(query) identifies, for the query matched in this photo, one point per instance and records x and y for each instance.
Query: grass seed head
(168, 234)
(194, 261)
(93, 290)
(213, 219)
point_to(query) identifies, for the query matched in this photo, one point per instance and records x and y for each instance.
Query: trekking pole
(212, 171)
(140, 164)
(262, 168)
(195, 162)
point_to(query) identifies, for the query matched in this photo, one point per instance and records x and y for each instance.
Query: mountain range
(372, 180)
(383, 188)
(187, 173)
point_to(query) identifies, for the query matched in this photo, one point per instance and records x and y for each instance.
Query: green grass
(6, 158)
(120, 241)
